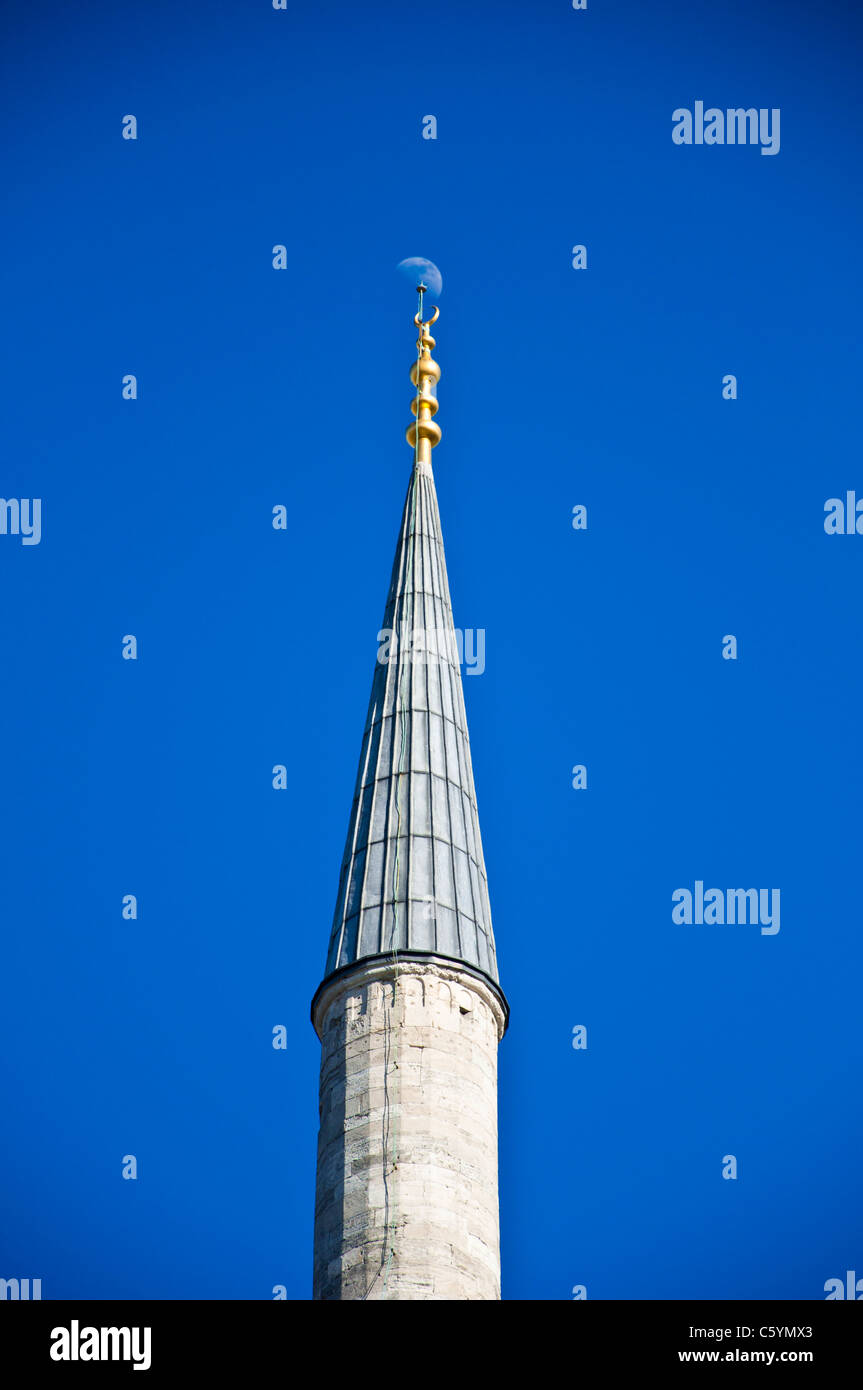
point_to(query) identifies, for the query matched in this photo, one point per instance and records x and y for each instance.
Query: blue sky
(601, 387)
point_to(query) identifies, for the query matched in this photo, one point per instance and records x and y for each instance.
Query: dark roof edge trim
(430, 956)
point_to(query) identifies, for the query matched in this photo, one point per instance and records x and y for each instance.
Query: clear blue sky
(256, 647)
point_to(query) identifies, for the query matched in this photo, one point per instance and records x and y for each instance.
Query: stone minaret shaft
(410, 1011)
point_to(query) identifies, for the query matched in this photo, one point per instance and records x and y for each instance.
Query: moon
(418, 268)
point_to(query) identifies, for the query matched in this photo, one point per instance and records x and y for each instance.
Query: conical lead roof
(413, 875)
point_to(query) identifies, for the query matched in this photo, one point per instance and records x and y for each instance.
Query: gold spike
(425, 375)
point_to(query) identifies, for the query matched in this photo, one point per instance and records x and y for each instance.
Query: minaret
(410, 1011)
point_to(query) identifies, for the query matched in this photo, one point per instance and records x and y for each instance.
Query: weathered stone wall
(407, 1201)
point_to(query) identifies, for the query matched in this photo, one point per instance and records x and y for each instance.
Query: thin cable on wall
(409, 566)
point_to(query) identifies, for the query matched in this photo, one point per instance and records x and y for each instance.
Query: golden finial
(424, 434)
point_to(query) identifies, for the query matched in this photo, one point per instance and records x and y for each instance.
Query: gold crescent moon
(420, 323)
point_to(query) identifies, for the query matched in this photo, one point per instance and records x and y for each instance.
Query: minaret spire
(413, 874)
